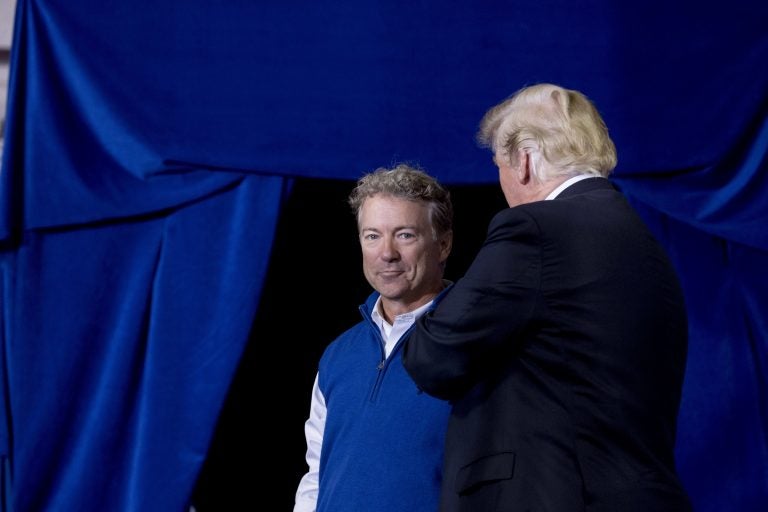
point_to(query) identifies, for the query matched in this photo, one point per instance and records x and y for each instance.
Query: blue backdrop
(149, 147)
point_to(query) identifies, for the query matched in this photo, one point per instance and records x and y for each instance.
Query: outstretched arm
(483, 316)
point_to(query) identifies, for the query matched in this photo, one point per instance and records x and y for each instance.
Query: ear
(523, 169)
(446, 243)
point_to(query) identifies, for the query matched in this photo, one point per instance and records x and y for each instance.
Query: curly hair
(407, 182)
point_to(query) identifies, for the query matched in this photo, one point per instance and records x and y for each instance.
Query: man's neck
(389, 309)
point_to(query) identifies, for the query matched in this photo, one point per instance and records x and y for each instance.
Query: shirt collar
(416, 313)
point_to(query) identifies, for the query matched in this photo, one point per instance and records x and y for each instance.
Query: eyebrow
(413, 227)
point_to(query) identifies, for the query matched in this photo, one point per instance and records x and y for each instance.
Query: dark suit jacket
(563, 351)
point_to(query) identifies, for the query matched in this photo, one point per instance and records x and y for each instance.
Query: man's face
(401, 259)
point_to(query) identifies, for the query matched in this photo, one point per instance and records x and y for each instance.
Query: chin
(392, 293)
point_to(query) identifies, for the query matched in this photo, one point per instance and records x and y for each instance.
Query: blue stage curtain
(121, 341)
(149, 146)
(713, 222)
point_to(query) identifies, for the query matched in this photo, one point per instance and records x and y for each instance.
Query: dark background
(312, 293)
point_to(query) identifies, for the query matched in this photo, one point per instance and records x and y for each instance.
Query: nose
(389, 250)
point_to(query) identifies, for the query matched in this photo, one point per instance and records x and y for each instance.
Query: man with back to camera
(374, 440)
(562, 350)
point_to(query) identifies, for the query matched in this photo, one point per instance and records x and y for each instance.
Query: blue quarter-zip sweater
(383, 440)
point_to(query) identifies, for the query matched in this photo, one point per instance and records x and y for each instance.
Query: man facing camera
(374, 440)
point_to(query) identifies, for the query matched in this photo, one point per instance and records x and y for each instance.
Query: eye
(370, 236)
(406, 235)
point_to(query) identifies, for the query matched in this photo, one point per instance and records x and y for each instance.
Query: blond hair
(559, 128)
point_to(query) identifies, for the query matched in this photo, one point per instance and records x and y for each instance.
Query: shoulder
(349, 338)
(520, 223)
(592, 196)
(518, 217)
(346, 340)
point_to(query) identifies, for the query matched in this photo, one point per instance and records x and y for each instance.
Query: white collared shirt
(391, 333)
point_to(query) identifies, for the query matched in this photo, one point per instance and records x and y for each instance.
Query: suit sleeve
(481, 320)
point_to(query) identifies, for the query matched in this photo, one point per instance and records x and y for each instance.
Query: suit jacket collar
(587, 185)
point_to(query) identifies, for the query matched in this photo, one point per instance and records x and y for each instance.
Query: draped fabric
(149, 145)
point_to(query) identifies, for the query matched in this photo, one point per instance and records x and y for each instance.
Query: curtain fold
(121, 341)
